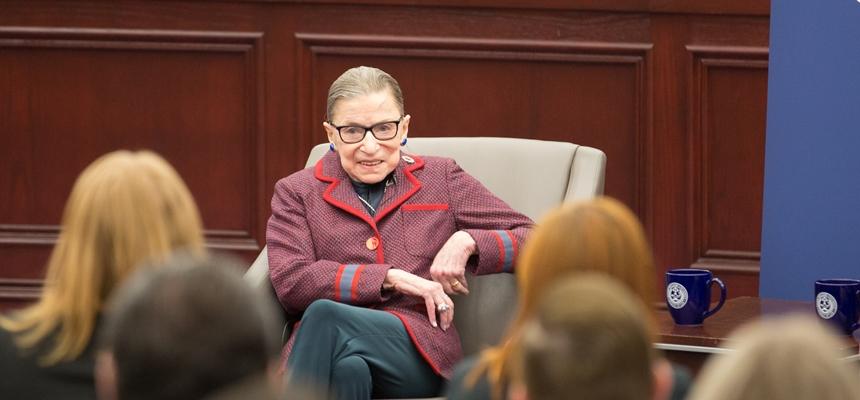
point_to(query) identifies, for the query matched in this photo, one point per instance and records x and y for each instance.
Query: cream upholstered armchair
(532, 176)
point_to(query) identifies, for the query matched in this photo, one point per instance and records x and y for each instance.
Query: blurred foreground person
(589, 340)
(125, 208)
(190, 330)
(599, 236)
(792, 357)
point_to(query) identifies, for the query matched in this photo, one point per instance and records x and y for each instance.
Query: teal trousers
(356, 353)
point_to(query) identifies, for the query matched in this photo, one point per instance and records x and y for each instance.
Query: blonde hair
(601, 236)
(360, 81)
(590, 339)
(125, 208)
(790, 357)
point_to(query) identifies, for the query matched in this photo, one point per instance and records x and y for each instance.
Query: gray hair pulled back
(359, 81)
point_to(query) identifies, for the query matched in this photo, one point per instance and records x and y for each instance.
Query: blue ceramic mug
(836, 301)
(688, 295)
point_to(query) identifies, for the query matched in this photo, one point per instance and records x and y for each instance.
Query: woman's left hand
(449, 265)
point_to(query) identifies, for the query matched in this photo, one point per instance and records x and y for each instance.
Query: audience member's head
(792, 357)
(192, 329)
(599, 236)
(125, 208)
(590, 339)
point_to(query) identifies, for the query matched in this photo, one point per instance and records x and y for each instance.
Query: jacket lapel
(339, 192)
(407, 185)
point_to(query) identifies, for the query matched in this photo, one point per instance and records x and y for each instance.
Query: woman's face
(370, 160)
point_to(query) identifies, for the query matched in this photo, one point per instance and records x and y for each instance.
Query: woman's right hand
(432, 292)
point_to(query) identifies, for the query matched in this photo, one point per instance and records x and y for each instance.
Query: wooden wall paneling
(727, 122)
(25, 250)
(589, 93)
(243, 84)
(195, 97)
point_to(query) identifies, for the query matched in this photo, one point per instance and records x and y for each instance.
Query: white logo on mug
(826, 305)
(676, 294)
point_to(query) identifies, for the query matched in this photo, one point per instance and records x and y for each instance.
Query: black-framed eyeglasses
(355, 133)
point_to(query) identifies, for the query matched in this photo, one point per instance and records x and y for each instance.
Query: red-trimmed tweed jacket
(321, 241)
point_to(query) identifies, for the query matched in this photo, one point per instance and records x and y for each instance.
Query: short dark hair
(187, 329)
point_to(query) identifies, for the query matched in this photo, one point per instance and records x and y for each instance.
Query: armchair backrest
(532, 176)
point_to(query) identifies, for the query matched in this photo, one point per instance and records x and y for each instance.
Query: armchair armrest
(257, 277)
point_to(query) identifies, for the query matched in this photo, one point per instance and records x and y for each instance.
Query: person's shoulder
(12, 364)
(682, 381)
(253, 387)
(466, 364)
(8, 349)
(459, 389)
(436, 165)
(437, 161)
(297, 180)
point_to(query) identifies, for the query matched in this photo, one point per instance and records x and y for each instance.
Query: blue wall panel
(811, 226)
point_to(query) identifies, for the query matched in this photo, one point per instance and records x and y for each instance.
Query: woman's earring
(403, 143)
(331, 146)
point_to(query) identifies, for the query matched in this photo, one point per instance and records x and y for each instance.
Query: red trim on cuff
(501, 266)
(337, 277)
(515, 247)
(353, 290)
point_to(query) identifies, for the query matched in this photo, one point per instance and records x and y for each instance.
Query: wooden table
(691, 345)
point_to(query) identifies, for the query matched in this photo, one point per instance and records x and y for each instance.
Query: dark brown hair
(188, 329)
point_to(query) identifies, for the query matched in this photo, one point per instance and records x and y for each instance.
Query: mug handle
(856, 325)
(722, 297)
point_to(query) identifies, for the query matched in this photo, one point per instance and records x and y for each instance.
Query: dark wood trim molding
(724, 7)
(20, 289)
(46, 235)
(731, 266)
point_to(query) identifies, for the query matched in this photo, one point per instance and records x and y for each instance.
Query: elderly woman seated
(369, 244)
